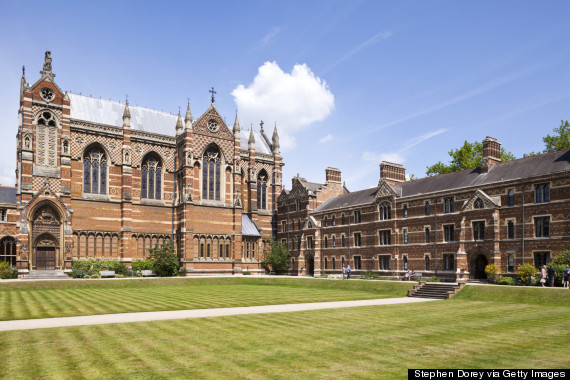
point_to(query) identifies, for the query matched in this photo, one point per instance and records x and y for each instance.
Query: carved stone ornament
(47, 61)
(67, 248)
(113, 145)
(47, 94)
(24, 248)
(189, 197)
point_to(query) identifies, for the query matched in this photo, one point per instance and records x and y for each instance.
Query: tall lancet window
(262, 190)
(46, 138)
(211, 174)
(95, 171)
(151, 178)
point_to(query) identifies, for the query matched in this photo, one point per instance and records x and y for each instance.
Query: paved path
(45, 323)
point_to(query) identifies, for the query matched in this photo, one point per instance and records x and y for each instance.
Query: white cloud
(293, 100)
(326, 139)
(393, 157)
(7, 176)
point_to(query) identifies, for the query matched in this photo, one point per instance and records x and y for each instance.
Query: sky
(347, 83)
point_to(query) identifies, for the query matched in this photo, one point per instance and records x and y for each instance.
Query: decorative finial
(47, 61)
(127, 98)
(23, 71)
(213, 93)
(261, 125)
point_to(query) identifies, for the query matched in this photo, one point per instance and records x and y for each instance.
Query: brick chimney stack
(392, 173)
(333, 175)
(491, 153)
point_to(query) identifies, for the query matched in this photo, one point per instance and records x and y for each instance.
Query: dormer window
(385, 211)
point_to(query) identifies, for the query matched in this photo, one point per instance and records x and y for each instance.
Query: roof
(506, 171)
(8, 195)
(348, 200)
(108, 112)
(247, 227)
(261, 145)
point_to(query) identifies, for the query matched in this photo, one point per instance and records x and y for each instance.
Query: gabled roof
(108, 112)
(261, 145)
(548, 163)
(505, 171)
(356, 198)
(7, 195)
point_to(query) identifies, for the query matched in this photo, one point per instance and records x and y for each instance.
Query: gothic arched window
(46, 137)
(385, 213)
(95, 171)
(211, 174)
(262, 190)
(478, 203)
(151, 178)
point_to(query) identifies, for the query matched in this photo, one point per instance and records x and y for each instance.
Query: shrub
(562, 258)
(492, 272)
(246, 273)
(182, 272)
(525, 272)
(165, 260)
(137, 266)
(77, 273)
(433, 279)
(91, 268)
(7, 271)
(506, 281)
(277, 257)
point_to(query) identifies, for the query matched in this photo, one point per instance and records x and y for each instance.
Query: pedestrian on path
(348, 272)
(551, 273)
(566, 277)
(543, 275)
(343, 271)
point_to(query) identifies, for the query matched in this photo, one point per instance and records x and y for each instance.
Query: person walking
(343, 271)
(348, 272)
(551, 273)
(543, 275)
(566, 277)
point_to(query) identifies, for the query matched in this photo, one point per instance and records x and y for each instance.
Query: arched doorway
(310, 264)
(478, 259)
(45, 249)
(46, 231)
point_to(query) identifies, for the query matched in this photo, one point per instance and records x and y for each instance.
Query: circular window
(212, 125)
(47, 94)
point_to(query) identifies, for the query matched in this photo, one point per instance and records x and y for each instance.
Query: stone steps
(47, 275)
(434, 290)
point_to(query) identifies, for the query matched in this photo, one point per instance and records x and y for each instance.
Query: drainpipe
(349, 234)
(523, 223)
(435, 237)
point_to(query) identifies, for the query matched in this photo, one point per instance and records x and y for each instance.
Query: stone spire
(275, 140)
(179, 124)
(188, 118)
(23, 82)
(46, 72)
(127, 116)
(236, 128)
(251, 141)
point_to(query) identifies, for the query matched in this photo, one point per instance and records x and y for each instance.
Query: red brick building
(97, 179)
(450, 225)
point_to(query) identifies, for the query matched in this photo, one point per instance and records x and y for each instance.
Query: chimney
(333, 175)
(392, 173)
(491, 153)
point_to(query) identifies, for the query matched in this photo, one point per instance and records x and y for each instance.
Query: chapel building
(450, 226)
(97, 179)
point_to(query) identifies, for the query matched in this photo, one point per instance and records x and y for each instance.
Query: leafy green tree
(165, 260)
(559, 141)
(469, 156)
(277, 257)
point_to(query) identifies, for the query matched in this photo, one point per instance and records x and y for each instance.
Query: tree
(469, 156)
(165, 260)
(559, 141)
(277, 257)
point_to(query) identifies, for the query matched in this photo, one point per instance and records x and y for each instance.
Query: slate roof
(247, 227)
(511, 170)
(109, 112)
(8, 195)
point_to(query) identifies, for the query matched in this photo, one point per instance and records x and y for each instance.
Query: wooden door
(45, 258)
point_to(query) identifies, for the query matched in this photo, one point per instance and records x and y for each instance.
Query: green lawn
(481, 327)
(364, 342)
(29, 300)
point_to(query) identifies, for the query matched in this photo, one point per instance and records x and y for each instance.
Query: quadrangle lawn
(482, 327)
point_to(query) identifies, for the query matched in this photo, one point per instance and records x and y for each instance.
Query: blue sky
(349, 83)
